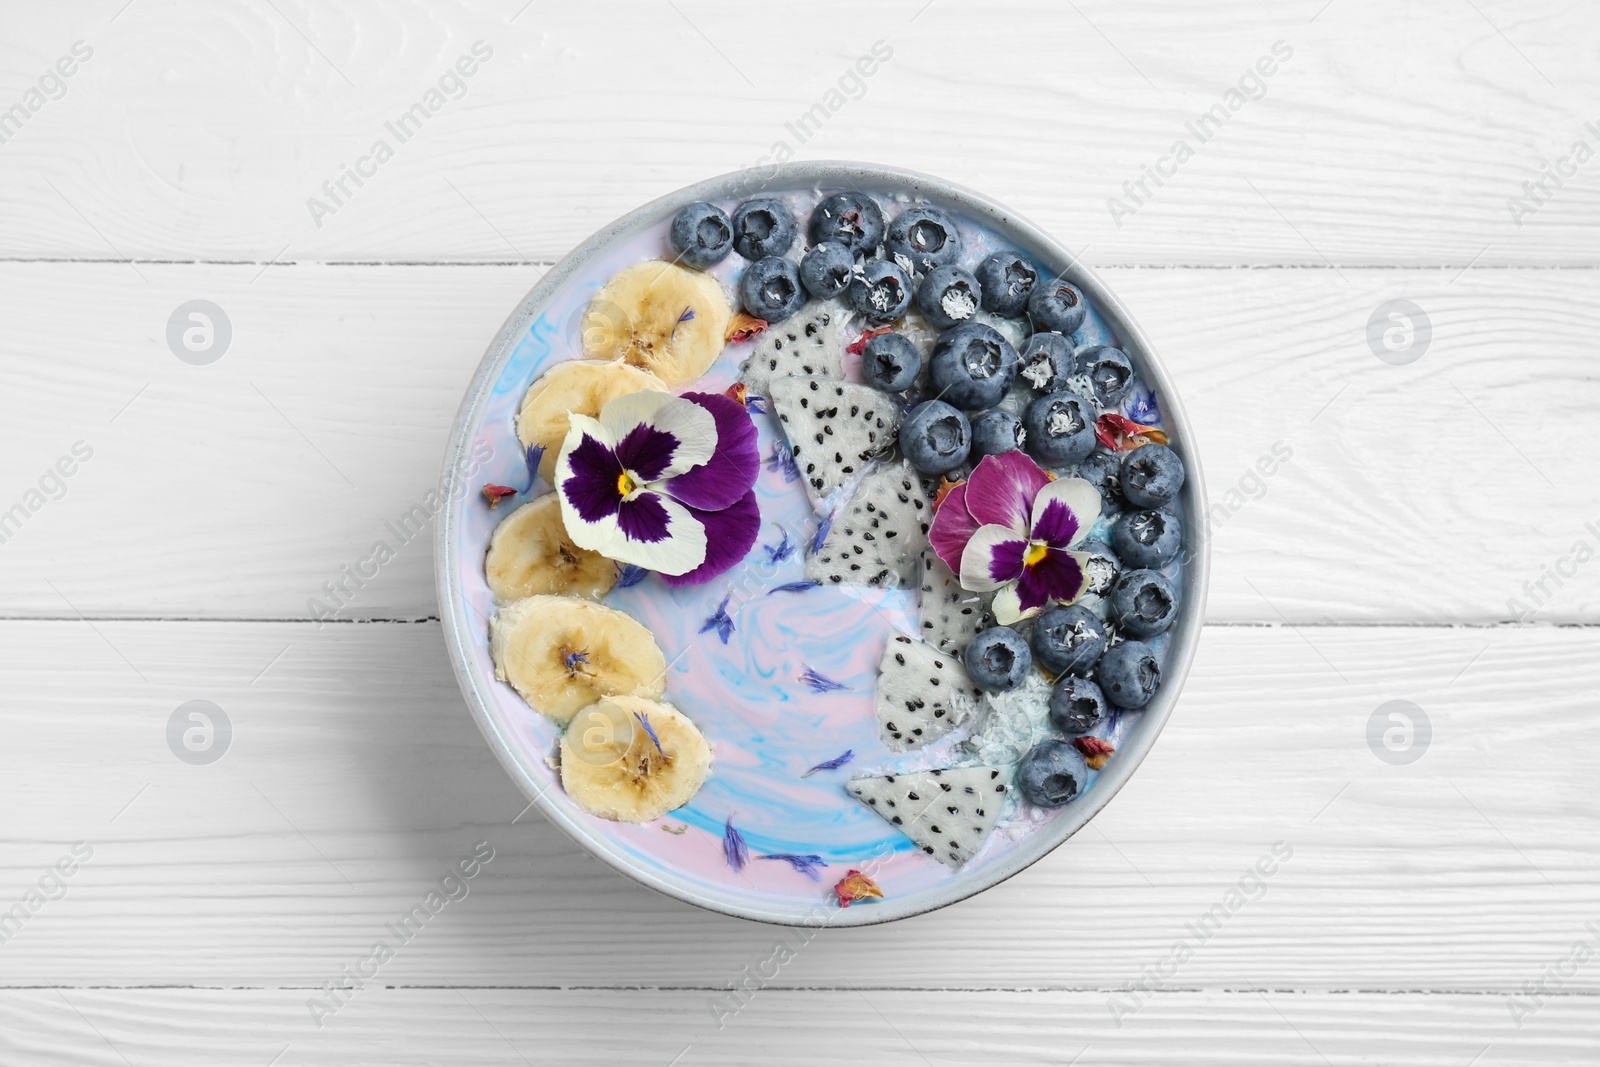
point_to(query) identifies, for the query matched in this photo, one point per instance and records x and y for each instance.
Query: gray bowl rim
(883, 181)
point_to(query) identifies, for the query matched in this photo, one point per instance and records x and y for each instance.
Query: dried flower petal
(833, 764)
(782, 550)
(1095, 751)
(533, 457)
(945, 485)
(794, 587)
(734, 850)
(859, 345)
(574, 660)
(742, 328)
(820, 683)
(644, 720)
(782, 461)
(686, 316)
(720, 620)
(821, 535)
(629, 574)
(855, 887)
(806, 865)
(1119, 433)
(496, 493)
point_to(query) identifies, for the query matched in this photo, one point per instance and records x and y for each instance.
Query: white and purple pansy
(663, 482)
(1010, 527)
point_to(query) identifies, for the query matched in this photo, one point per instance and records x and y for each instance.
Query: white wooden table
(1422, 900)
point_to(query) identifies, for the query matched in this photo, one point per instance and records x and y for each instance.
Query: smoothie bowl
(823, 547)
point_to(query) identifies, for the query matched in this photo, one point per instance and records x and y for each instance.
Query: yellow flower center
(1035, 553)
(625, 484)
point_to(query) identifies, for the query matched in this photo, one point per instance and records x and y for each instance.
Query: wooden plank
(964, 1027)
(1392, 137)
(355, 776)
(237, 489)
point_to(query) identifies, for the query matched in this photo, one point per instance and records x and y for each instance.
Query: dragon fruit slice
(875, 537)
(922, 693)
(948, 813)
(805, 346)
(949, 615)
(834, 428)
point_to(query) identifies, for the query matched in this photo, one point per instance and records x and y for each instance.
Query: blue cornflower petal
(834, 764)
(793, 587)
(629, 574)
(806, 865)
(734, 849)
(782, 460)
(822, 532)
(533, 457)
(720, 621)
(644, 720)
(782, 550)
(820, 683)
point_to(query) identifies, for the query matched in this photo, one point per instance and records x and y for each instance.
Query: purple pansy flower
(1010, 527)
(663, 482)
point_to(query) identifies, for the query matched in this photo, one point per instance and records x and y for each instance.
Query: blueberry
(1147, 538)
(881, 292)
(1068, 639)
(1047, 362)
(825, 270)
(1102, 567)
(972, 366)
(1057, 305)
(1060, 429)
(1077, 706)
(852, 219)
(948, 295)
(1151, 475)
(935, 438)
(1103, 470)
(1129, 674)
(762, 227)
(890, 362)
(998, 659)
(924, 235)
(1144, 603)
(701, 235)
(995, 432)
(1052, 773)
(1109, 372)
(770, 289)
(1006, 279)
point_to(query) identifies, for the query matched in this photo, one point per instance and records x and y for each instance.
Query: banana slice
(563, 654)
(578, 385)
(660, 317)
(612, 767)
(530, 554)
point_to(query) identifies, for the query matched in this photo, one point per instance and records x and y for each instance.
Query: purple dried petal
(734, 849)
(833, 764)
(794, 587)
(688, 314)
(629, 574)
(822, 532)
(820, 683)
(533, 456)
(782, 461)
(644, 720)
(720, 620)
(806, 865)
(782, 550)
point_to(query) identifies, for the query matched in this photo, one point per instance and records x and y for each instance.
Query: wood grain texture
(1423, 493)
(355, 776)
(387, 1026)
(1393, 134)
